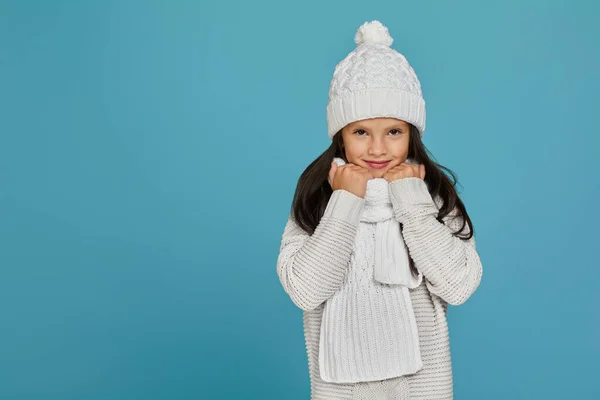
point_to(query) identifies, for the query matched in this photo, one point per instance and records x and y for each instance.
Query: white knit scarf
(392, 262)
(368, 330)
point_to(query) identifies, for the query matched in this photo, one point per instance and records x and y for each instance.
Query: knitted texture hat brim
(373, 103)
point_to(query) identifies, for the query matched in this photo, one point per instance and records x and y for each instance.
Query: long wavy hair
(313, 190)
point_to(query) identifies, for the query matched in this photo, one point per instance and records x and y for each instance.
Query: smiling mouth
(377, 164)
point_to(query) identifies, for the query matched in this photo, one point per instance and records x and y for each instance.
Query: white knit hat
(374, 80)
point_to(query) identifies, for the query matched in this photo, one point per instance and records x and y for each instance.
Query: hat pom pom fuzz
(373, 32)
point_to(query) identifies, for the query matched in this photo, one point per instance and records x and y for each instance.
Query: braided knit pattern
(372, 66)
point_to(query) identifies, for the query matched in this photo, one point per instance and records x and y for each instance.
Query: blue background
(148, 156)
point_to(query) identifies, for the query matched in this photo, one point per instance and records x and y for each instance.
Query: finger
(416, 170)
(332, 171)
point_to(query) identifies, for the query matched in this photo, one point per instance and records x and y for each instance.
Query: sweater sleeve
(451, 265)
(311, 268)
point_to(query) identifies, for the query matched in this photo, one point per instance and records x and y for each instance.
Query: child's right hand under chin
(349, 177)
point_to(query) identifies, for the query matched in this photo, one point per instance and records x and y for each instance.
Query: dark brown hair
(313, 190)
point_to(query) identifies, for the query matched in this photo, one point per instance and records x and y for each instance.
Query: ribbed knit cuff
(344, 205)
(408, 193)
(375, 102)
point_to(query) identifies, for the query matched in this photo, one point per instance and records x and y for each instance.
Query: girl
(377, 243)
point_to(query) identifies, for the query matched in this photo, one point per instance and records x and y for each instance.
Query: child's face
(376, 139)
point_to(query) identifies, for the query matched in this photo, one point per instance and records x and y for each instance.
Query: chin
(378, 173)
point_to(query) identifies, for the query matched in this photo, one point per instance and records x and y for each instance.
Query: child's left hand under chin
(405, 170)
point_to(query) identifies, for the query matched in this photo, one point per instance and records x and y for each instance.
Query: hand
(405, 170)
(350, 177)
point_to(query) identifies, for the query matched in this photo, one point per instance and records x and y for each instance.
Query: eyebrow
(361, 126)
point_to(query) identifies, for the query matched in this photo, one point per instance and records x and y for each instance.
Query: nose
(377, 146)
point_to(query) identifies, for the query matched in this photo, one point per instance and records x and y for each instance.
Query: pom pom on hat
(373, 32)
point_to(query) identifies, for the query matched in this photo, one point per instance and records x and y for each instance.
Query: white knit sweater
(312, 268)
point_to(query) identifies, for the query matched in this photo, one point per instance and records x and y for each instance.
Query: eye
(395, 132)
